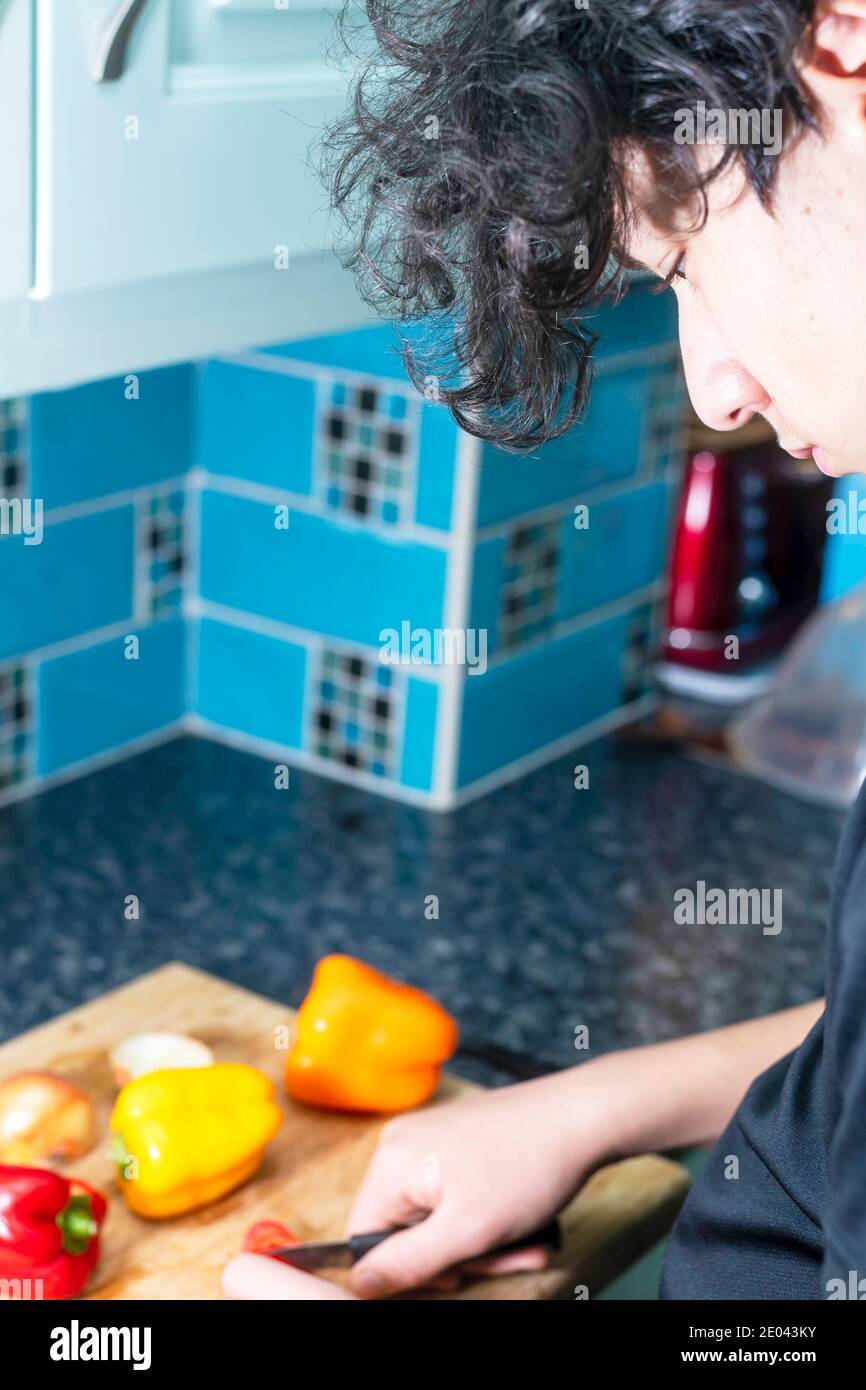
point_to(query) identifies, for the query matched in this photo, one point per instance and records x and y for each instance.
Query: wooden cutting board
(312, 1168)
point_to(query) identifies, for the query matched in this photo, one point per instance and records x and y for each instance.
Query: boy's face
(773, 305)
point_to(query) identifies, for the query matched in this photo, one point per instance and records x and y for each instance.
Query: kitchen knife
(340, 1254)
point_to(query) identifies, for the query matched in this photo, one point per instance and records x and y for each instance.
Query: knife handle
(549, 1235)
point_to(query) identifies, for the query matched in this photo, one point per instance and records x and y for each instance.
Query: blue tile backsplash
(248, 680)
(293, 550)
(100, 697)
(540, 696)
(323, 574)
(80, 578)
(110, 436)
(257, 425)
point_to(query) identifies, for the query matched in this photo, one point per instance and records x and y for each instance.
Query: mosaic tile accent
(366, 451)
(641, 650)
(355, 712)
(16, 724)
(664, 430)
(160, 558)
(531, 580)
(13, 442)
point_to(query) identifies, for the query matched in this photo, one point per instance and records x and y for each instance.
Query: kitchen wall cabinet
(155, 176)
(16, 88)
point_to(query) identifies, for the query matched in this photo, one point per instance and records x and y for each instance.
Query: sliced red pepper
(268, 1235)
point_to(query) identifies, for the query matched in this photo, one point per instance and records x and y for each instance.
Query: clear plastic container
(808, 735)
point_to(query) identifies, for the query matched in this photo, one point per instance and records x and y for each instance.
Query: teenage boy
(500, 158)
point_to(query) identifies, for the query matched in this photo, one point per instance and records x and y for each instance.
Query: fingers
(251, 1277)
(444, 1283)
(378, 1209)
(414, 1256)
(530, 1257)
(257, 1278)
(382, 1200)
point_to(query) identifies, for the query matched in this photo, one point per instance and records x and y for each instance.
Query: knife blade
(341, 1254)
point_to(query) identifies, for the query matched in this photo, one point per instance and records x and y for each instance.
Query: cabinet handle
(110, 57)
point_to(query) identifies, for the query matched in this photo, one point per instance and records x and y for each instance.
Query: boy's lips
(811, 451)
(822, 461)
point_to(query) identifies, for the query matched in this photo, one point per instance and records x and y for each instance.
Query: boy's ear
(836, 68)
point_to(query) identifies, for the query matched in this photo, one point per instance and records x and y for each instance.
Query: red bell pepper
(265, 1236)
(49, 1230)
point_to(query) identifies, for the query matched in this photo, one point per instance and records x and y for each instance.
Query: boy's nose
(723, 392)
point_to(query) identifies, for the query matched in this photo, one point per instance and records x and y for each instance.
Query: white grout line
(312, 669)
(399, 689)
(437, 800)
(287, 632)
(308, 762)
(140, 562)
(456, 606)
(45, 782)
(33, 685)
(414, 420)
(191, 586)
(73, 510)
(68, 645)
(316, 506)
(615, 608)
(287, 366)
(302, 637)
(603, 492)
(317, 462)
(530, 762)
(654, 355)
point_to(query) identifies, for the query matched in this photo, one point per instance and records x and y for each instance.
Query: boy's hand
(474, 1174)
(481, 1172)
(485, 1171)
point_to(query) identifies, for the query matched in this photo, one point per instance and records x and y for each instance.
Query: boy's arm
(675, 1094)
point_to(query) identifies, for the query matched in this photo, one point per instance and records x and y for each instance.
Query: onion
(43, 1117)
(148, 1052)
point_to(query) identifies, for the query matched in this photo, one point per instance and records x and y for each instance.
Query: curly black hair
(483, 147)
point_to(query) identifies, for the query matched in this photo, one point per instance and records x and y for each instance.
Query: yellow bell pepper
(364, 1042)
(185, 1136)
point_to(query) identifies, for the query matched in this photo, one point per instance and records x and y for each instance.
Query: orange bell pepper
(364, 1042)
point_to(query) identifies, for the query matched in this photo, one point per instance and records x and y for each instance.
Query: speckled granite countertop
(556, 906)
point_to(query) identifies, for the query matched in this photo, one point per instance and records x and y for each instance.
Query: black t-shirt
(792, 1223)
